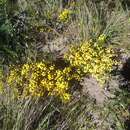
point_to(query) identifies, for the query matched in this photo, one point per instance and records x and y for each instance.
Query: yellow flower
(90, 58)
(101, 39)
(38, 79)
(66, 97)
(65, 15)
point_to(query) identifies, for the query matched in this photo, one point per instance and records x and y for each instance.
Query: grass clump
(1, 82)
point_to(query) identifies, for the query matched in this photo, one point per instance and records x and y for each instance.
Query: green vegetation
(64, 65)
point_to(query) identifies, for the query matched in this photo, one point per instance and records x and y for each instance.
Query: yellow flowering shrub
(41, 79)
(65, 15)
(92, 59)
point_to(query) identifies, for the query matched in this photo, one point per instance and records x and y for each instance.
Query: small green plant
(101, 39)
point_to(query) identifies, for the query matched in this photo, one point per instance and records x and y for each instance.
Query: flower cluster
(101, 40)
(92, 59)
(65, 15)
(41, 79)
